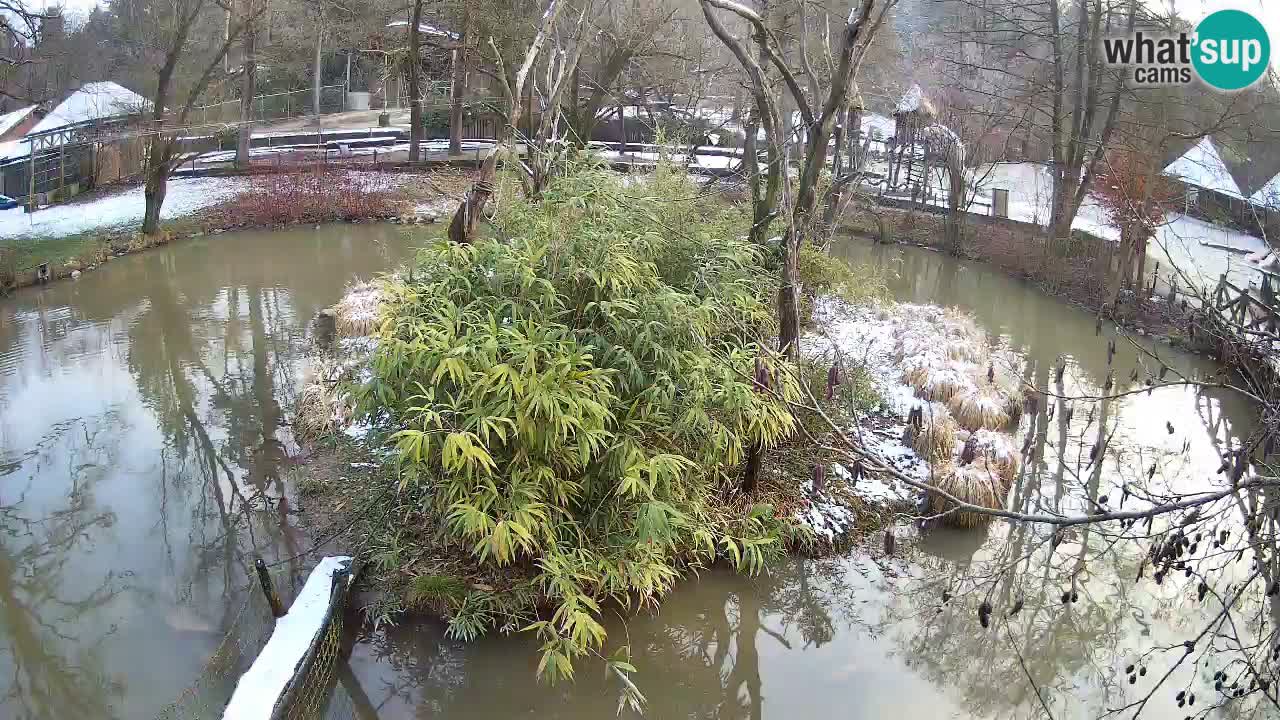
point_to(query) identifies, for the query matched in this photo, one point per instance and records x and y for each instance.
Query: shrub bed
(571, 403)
(309, 194)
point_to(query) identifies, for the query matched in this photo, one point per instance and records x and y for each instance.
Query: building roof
(1202, 166)
(914, 101)
(424, 28)
(9, 121)
(93, 101)
(1269, 194)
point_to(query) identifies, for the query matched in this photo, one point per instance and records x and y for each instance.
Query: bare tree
(176, 41)
(459, 80)
(415, 75)
(462, 228)
(818, 122)
(248, 81)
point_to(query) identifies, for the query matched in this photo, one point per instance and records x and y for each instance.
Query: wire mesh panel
(309, 692)
(205, 698)
(306, 697)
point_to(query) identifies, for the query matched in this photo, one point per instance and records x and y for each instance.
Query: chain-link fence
(307, 695)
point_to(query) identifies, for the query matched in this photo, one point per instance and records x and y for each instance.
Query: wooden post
(268, 588)
(1000, 203)
(31, 179)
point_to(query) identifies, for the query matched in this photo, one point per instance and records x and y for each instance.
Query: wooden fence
(1250, 311)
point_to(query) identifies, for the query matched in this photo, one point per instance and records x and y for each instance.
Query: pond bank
(1017, 249)
(96, 228)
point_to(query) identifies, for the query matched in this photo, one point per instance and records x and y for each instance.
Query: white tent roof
(1269, 194)
(9, 120)
(1203, 167)
(93, 101)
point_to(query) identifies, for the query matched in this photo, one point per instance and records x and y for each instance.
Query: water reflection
(142, 437)
(868, 637)
(53, 662)
(1078, 453)
(800, 641)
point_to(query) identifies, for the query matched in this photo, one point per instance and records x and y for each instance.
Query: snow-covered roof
(914, 101)
(424, 28)
(873, 124)
(10, 120)
(93, 101)
(1268, 195)
(1203, 167)
(14, 149)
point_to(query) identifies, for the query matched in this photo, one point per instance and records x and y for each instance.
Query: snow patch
(120, 209)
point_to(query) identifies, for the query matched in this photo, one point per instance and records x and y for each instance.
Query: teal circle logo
(1232, 50)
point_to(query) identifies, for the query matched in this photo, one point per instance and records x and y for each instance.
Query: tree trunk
(853, 136)
(462, 229)
(955, 201)
(1139, 278)
(156, 186)
(248, 87)
(1063, 213)
(836, 195)
(458, 87)
(315, 75)
(751, 471)
(789, 301)
(415, 73)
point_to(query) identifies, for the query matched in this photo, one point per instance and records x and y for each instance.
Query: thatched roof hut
(914, 111)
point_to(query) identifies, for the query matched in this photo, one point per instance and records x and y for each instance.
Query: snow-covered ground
(119, 210)
(123, 209)
(1197, 249)
(1201, 250)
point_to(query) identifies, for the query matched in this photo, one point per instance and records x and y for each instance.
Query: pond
(142, 404)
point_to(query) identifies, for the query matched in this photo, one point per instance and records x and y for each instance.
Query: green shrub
(822, 275)
(575, 399)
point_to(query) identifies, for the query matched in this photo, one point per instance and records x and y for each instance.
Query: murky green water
(142, 405)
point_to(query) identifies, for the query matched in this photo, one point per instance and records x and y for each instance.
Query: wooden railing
(1253, 312)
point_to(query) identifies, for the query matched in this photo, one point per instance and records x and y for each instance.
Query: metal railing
(274, 106)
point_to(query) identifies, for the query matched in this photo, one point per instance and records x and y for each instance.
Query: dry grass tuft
(942, 384)
(975, 484)
(997, 451)
(980, 408)
(357, 312)
(314, 416)
(322, 406)
(936, 440)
